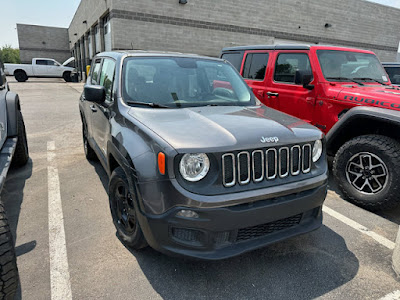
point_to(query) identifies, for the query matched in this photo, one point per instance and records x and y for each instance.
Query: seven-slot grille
(268, 164)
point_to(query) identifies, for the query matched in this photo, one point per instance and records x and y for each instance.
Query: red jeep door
(254, 71)
(287, 96)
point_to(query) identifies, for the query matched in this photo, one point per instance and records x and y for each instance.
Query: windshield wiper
(372, 79)
(150, 104)
(345, 78)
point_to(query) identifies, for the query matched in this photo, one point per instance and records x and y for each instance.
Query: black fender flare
(13, 107)
(125, 162)
(339, 133)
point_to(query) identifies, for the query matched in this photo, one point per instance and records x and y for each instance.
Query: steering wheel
(223, 92)
(361, 72)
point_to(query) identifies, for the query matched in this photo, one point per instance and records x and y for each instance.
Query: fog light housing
(186, 213)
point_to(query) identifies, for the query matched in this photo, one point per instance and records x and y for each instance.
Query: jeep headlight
(194, 166)
(317, 150)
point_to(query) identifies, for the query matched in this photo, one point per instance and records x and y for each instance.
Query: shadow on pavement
(102, 174)
(304, 267)
(13, 194)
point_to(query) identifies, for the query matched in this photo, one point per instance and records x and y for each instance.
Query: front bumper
(224, 232)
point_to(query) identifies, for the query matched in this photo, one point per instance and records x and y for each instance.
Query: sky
(56, 13)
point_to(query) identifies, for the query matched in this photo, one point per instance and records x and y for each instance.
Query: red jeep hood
(373, 95)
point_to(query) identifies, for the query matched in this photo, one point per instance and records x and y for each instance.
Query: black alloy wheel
(367, 170)
(123, 211)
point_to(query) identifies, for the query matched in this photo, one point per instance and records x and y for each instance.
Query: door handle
(271, 94)
(93, 108)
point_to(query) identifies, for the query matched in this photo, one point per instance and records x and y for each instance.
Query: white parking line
(380, 239)
(59, 272)
(392, 296)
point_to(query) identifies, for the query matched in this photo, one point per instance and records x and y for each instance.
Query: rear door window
(95, 71)
(255, 66)
(288, 63)
(41, 62)
(234, 58)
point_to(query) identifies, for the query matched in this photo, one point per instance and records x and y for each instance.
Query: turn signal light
(161, 163)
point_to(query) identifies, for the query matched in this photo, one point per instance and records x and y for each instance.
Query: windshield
(338, 65)
(181, 82)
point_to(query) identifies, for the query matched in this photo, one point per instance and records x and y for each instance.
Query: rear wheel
(21, 155)
(367, 169)
(123, 210)
(8, 263)
(89, 152)
(20, 76)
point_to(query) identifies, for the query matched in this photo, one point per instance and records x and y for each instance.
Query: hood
(225, 128)
(373, 95)
(68, 61)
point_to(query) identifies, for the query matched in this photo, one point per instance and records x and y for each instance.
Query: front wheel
(8, 263)
(123, 211)
(67, 77)
(367, 169)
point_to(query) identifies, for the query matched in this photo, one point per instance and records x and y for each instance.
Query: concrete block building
(43, 41)
(206, 26)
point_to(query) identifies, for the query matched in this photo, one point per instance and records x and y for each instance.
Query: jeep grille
(268, 164)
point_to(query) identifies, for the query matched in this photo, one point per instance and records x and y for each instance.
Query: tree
(9, 55)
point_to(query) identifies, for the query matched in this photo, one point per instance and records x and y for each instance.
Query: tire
(20, 76)
(67, 76)
(367, 170)
(8, 263)
(89, 152)
(123, 211)
(21, 154)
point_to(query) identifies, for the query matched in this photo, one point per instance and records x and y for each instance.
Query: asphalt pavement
(349, 257)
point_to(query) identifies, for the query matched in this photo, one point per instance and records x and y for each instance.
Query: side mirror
(95, 93)
(304, 77)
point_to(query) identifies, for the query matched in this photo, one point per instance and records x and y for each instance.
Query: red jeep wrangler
(347, 94)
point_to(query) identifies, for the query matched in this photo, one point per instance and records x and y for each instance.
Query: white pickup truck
(41, 67)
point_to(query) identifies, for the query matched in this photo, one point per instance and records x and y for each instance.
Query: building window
(107, 33)
(97, 41)
(90, 46)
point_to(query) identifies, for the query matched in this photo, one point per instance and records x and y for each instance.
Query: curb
(396, 256)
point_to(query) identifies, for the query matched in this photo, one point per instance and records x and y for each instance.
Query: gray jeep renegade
(198, 166)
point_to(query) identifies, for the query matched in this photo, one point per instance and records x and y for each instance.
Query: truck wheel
(21, 155)
(123, 211)
(67, 76)
(8, 263)
(89, 152)
(20, 76)
(367, 169)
